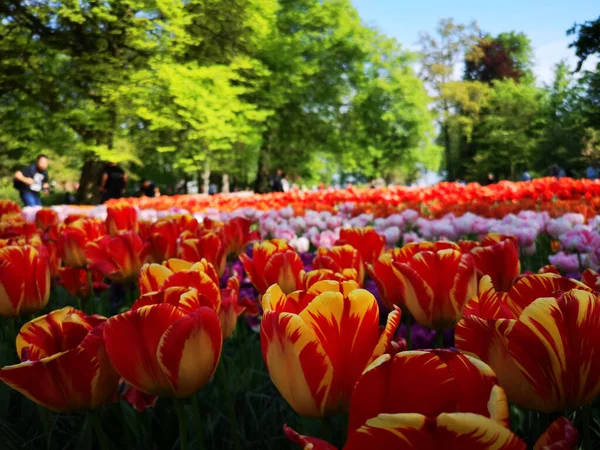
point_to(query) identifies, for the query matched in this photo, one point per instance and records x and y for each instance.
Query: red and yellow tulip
(317, 343)
(314, 276)
(46, 218)
(73, 238)
(24, 280)
(237, 236)
(545, 359)
(164, 349)
(367, 241)
(273, 262)
(64, 363)
(121, 218)
(435, 286)
(498, 257)
(230, 307)
(339, 258)
(161, 242)
(209, 246)
(454, 431)
(118, 257)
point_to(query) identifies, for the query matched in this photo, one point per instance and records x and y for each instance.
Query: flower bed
(150, 326)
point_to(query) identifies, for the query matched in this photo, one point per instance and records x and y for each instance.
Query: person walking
(149, 189)
(32, 180)
(114, 182)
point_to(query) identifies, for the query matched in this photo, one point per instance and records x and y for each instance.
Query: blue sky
(545, 22)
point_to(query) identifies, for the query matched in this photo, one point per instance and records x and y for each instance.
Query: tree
(439, 56)
(587, 42)
(509, 55)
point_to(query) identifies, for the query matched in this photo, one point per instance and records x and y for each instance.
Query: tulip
(273, 262)
(73, 238)
(367, 241)
(436, 285)
(116, 257)
(447, 431)
(237, 236)
(545, 359)
(591, 279)
(317, 343)
(314, 276)
(121, 218)
(498, 257)
(339, 258)
(429, 383)
(492, 304)
(230, 307)
(76, 281)
(8, 207)
(24, 280)
(46, 218)
(64, 363)
(386, 275)
(161, 350)
(208, 246)
(161, 243)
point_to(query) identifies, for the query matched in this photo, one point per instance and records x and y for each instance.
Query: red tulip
(161, 243)
(24, 280)
(121, 218)
(45, 218)
(73, 238)
(367, 241)
(65, 366)
(116, 257)
(208, 246)
(237, 236)
(76, 281)
(230, 307)
(9, 207)
(498, 257)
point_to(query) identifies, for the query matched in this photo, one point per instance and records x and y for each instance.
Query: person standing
(285, 183)
(276, 185)
(149, 189)
(592, 171)
(32, 180)
(114, 182)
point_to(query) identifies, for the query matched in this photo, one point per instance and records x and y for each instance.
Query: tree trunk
(225, 184)
(447, 155)
(262, 173)
(89, 182)
(206, 177)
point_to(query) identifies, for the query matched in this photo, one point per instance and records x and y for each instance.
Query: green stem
(580, 262)
(128, 433)
(327, 429)
(587, 424)
(533, 427)
(179, 409)
(79, 304)
(46, 419)
(408, 332)
(199, 423)
(100, 434)
(222, 374)
(439, 339)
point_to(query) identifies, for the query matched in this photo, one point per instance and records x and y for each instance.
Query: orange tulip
(24, 280)
(161, 243)
(73, 238)
(545, 359)
(388, 278)
(498, 257)
(209, 246)
(454, 431)
(273, 262)
(64, 363)
(339, 258)
(45, 218)
(436, 285)
(367, 241)
(76, 281)
(317, 343)
(237, 236)
(116, 257)
(121, 218)
(163, 349)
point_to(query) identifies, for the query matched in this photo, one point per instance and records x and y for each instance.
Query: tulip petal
(189, 351)
(152, 277)
(299, 366)
(284, 269)
(306, 442)
(391, 326)
(561, 435)
(132, 340)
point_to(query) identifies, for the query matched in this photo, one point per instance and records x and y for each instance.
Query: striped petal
(388, 279)
(132, 340)
(498, 257)
(489, 303)
(152, 277)
(200, 281)
(189, 351)
(284, 269)
(297, 362)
